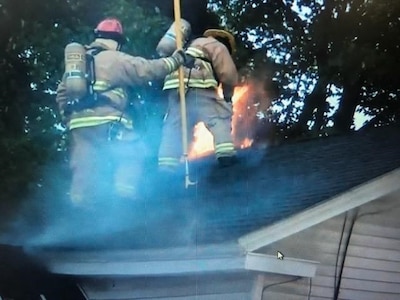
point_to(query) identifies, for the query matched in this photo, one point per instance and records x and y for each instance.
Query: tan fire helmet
(220, 33)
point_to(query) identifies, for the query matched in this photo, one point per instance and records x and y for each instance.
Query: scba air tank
(167, 45)
(75, 70)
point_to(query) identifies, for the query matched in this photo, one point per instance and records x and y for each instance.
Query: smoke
(167, 214)
(48, 218)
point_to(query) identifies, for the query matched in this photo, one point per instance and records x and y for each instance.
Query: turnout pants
(106, 161)
(203, 105)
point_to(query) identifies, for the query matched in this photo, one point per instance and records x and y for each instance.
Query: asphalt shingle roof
(265, 187)
(268, 187)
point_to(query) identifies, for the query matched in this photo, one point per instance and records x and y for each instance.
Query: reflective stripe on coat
(213, 65)
(115, 73)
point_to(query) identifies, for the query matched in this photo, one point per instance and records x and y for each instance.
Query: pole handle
(178, 37)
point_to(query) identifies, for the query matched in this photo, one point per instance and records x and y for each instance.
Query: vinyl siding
(372, 265)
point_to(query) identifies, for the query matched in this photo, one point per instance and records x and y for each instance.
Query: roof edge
(148, 268)
(287, 266)
(355, 197)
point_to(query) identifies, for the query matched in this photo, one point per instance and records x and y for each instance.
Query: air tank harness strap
(97, 95)
(207, 63)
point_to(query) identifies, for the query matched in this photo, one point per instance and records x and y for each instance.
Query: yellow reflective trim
(195, 52)
(168, 161)
(172, 81)
(194, 83)
(85, 123)
(225, 146)
(119, 92)
(224, 149)
(101, 86)
(95, 121)
(171, 65)
(225, 154)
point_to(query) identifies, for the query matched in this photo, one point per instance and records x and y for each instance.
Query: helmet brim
(119, 38)
(219, 33)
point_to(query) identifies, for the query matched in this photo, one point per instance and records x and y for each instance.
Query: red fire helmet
(110, 25)
(110, 28)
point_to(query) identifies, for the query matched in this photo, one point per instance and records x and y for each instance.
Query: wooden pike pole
(178, 36)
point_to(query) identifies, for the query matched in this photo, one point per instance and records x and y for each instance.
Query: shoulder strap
(93, 51)
(205, 60)
(90, 54)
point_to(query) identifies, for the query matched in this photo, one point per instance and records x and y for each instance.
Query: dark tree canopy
(351, 45)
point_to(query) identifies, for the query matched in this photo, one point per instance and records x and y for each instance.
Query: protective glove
(179, 57)
(189, 61)
(183, 58)
(175, 60)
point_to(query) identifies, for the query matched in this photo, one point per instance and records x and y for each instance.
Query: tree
(349, 36)
(320, 49)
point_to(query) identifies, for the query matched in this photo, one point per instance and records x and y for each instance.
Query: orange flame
(203, 142)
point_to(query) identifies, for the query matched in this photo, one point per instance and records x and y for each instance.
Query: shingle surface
(265, 187)
(270, 186)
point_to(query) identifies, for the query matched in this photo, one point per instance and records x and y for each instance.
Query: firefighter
(102, 135)
(213, 66)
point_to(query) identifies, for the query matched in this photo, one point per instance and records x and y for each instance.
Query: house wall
(372, 262)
